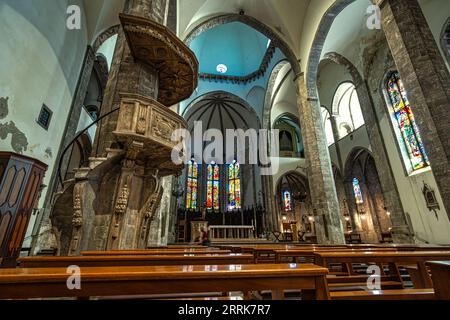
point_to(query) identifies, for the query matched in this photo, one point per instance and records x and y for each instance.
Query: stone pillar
(401, 232)
(426, 80)
(126, 75)
(320, 174)
(271, 217)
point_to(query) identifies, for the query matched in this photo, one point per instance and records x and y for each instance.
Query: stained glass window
(213, 187)
(357, 191)
(192, 185)
(287, 201)
(234, 186)
(404, 117)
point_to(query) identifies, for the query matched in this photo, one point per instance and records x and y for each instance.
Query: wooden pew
(403, 294)
(153, 252)
(135, 260)
(440, 273)
(26, 283)
(391, 258)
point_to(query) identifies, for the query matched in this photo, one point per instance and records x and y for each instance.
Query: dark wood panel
(20, 181)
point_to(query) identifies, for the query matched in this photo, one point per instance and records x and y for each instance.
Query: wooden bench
(135, 260)
(153, 252)
(440, 273)
(402, 294)
(390, 258)
(26, 283)
(308, 254)
(353, 238)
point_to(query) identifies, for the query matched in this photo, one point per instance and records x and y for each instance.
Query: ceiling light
(221, 68)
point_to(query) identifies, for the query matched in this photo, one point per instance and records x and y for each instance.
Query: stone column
(320, 174)
(401, 232)
(426, 80)
(271, 217)
(126, 75)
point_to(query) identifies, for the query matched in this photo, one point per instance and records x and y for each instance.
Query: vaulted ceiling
(295, 21)
(237, 46)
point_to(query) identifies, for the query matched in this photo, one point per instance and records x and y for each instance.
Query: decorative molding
(155, 45)
(77, 218)
(122, 200)
(105, 35)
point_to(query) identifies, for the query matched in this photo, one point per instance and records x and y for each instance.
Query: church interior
(313, 139)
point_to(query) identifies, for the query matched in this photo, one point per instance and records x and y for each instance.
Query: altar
(196, 230)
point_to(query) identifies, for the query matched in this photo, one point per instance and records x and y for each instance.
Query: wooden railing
(232, 233)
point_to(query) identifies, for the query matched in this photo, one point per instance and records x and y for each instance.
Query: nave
(237, 272)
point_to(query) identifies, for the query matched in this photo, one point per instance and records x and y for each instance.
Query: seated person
(204, 238)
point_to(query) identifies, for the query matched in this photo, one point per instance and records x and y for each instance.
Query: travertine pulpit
(111, 204)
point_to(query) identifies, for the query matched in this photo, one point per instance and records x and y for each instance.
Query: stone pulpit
(111, 203)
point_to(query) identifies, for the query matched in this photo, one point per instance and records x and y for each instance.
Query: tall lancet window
(413, 151)
(234, 186)
(213, 187)
(357, 191)
(287, 201)
(192, 185)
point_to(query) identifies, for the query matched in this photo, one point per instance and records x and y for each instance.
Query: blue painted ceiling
(235, 44)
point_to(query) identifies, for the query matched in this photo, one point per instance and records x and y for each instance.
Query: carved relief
(122, 200)
(163, 127)
(142, 120)
(132, 153)
(153, 203)
(77, 218)
(156, 46)
(145, 121)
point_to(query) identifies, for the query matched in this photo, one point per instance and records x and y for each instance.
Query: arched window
(213, 187)
(347, 109)
(327, 126)
(403, 119)
(234, 186)
(192, 185)
(287, 201)
(357, 191)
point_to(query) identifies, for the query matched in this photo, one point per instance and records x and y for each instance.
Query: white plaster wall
(357, 138)
(40, 61)
(331, 75)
